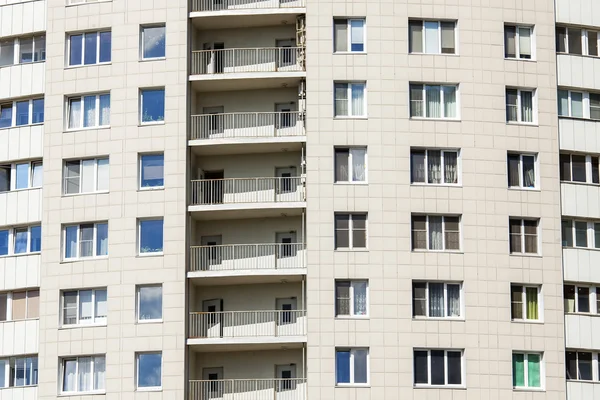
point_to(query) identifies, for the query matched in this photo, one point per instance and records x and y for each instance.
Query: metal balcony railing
(267, 59)
(240, 257)
(247, 190)
(248, 389)
(247, 125)
(221, 5)
(236, 324)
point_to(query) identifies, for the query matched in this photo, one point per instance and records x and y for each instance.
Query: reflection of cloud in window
(150, 302)
(154, 42)
(149, 374)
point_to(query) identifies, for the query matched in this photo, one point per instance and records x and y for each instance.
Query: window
(432, 37)
(22, 175)
(576, 41)
(83, 374)
(349, 35)
(523, 236)
(433, 101)
(527, 370)
(151, 236)
(352, 366)
(86, 240)
(22, 50)
(89, 48)
(437, 300)
(579, 366)
(84, 307)
(579, 168)
(20, 240)
(153, 42)
(434, 167)
(350, 99)
(351, 298)
(518, 42)
(435, 232)
(86, 176)
(152, 106)
(91, 111)
(149, 303)
(582, 299)
(152, 171)
(350, 164)
(149, 371)
(576, 104)
(20, 305)
(521, 171)
(525, 302)
(438, 367)
(19, 371)
(585, 234)
(350, 231)
(21, 113)
(520, 106)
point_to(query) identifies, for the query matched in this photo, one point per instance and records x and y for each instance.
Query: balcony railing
(248, 389)
(247, 190)
(239, 257)
(247, 125)
(221, 5)
(267, 59)
(236, 324)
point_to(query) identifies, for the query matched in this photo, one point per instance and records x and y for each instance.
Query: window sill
(149, 321)
(449, 387)
(516, 123)
(88, 65)
(19, 320)
(348, 117)
(151, 188)
(435, 119)
(21, 254)
(93, 128)
(577, 118)
(525, 389)
(457, 319)
(438, 251)
(352, 385)
(76, 326)
(576, 55)
(72, 260)
(83, 4)
(152, 59)
(527, 189)
(349, 53)
(583, 381)
(352, 317)
(84, 194)
(348, 183)
(525, 255)
(22, 126)
(580, 183)
(531, 60)
(157, 254)
(69, 394)
(344, 250)
(422, 184)
(416, 53)
(18, 387)
(528, 321)
(151, 123)
(149, 389)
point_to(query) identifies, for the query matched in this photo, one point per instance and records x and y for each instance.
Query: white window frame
(30, 168)
(140, 156)
(139, 241)
(349, 86)
(352, 351)
(81, 160)
(522, 236)
(95, 321)
(446, 317)
(98, 62)
(139, 300)
(594, 296)
(353, 283)
(349, 34)
(588, 168)
(13, 103)
(518, 44)
(585, 50)
(442, 160)
(424, 87)
(80, 127)
(591, 240)
(95, 241)
(137, 372)
(351, 150)
(460, 233)
(12, 239)
(540, 302)
(519, 120)
(141, 106)
(351, 231)
(526, 355)
(439, 31)
(142, 28)
(462, 367)
(522, 186)
(93, 357)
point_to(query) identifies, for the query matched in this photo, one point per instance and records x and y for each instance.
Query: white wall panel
(578, 12)
(580, 200)
(581, 331)
(20, 17)
(583, 390)
(579, 72)
(20, 207)
(20, 272)
(22, 80)
(25, 393)
(19, 337)
(21, 143)
(579, 135)
(581, 265)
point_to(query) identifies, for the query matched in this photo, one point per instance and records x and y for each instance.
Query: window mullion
(442, 111)
(439, 33)
(83, 48)
(443, 230)
(427, 299)
(522, 235)
(350, 171)
(350, 111)
(82, 108)
(351, 366)
(97, 111)
(517, 44)
(445, 367)
(429, 367)
(526, 370)
(98, 47)
(424, 97)
(427, 231)
(425, 167)
(524, 302)
(519, 116)
(351, 293)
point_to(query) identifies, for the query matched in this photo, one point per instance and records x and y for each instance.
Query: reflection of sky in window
(105, 45)
(149, 370)
(20, 241)
(36, 239)
(90, 49)
(22, 176)
(22, 113)
(153, 105)
(150, 302)
(75, 50)
(151, 236)
(3, 243)
(342, 366)
(38, 111)
(71, 242)
(152, 170)
(154, 42)
(5, 116)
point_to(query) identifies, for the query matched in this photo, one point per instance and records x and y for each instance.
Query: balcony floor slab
(246, 210)
(213, 147)
(248, 276)
(245, 81)
(202, 345)
(245, 17)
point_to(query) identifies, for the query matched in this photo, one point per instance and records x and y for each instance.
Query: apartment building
(299, 199)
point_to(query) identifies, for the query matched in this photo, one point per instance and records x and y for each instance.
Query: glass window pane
(88, 181)
(100, 305)
(415, 31)
(99, 372)
(574, 41)
(438, 368)
(70, 308)
(72, 176)
(357, 35)
(565, 167)
(86, 240)
(419, 299)
(448, 46)
(561, 40)
(149, 370)
(84, 374)
(518, 368)
(103, 174)
(75, 49)
(360, 366)
(153, 105)
(102, 239)
(417, 104)
(567, 233)
(151, 236)
(38, 111)
(150, 302)
(583, 299)
(342, 366)
(69, 371)
(533, 370)
(35, 244)
(584, 366)
(531, 295)
(26, 50)
(516, 299)
(359, 165)
(511, 105)
(37, 174)
(578, 168)
(89, 111)
(20, 238)
(563, 103)
(510, 49)
(417, 166)
(33, 304)
(360, 298)
(436, 241)
(104, 109)
(342, 298)
(454, 367)
(577, 104)
(153, 42)
(595, 106)
(22, 117)
(581, 234)
(340, 32)
(71, 241)
(86, 306)
(90, 45)
(571, 365)
(7, 52)
(420, 367)
(6, 111)
(39, 48)
(75, 113)
(105, 46)
(3, 242)
(526, 106)
(152, 170)
(432, 38)
(341, 165)
(592, 43)
(22, 173)
(525, 43)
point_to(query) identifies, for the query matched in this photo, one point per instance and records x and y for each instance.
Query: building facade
(299, 199)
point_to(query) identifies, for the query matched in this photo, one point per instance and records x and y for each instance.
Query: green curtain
(518, 370)
(532, 303)
(533, 370)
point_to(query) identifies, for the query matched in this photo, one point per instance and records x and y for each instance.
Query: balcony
(22, 142)
(248, 389)
(247, 68)
(22, 80)
(21, 206)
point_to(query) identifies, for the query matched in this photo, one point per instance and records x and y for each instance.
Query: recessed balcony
(248, 389)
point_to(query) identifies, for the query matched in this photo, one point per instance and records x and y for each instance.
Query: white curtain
(449, 101)
(450, 167)
(71, 242)
(69, 378)
(85, 306)
(85, 374)
(432, 99)
(453, 292)
(105, 110)
(87, 176)
(432, 37)
(526, 106)
(528, 171)
(436, 300)
(75, 113)
(89, 111)
(435, 233)
(99, 371)
(360, 298)
(358, 100)
(418, 166)
(358, 165)
(434, 166)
